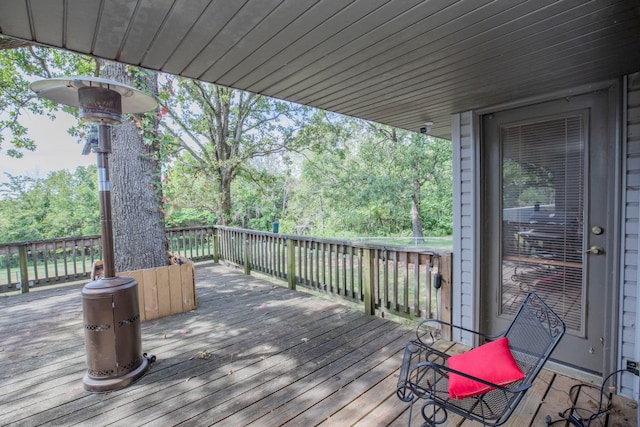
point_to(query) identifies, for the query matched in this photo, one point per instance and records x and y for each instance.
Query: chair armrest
(431, 328)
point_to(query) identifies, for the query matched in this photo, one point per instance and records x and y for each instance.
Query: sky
(56, 149)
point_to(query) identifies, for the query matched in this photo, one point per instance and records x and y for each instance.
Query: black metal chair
(532, 336)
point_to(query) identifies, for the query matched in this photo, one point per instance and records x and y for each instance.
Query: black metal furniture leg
(432, 419)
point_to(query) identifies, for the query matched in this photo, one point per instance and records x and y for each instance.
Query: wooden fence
(384, 278)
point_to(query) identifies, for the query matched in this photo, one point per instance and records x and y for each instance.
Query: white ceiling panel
(377, 38)
(266, 31)
(461, 67)
(203, 31)
(244, 24)
(82, 19)
(272, 49)
(372, 68)
(15, 19)
(147, 22)
(399, 62)
(116, 20)
(174, 29)
(48, 20)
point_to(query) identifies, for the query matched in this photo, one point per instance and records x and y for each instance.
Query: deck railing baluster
(385, 279)
(416, 284)
(352, 293)
(7, 263)
(31, 251)
(324, 266)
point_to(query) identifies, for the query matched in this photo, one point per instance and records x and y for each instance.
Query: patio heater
(110, 305)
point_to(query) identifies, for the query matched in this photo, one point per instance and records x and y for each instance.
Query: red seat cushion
(491, 362)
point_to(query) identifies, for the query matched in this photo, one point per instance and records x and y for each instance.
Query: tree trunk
(416, 220)
(136, 194)
(224, 211)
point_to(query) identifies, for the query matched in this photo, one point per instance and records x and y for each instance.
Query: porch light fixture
(110, 304)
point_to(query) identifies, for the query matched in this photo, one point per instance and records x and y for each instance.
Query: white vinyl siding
(629, 339)
(465, 217)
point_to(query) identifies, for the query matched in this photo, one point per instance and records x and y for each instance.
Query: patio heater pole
(104, 189)
(110, 304)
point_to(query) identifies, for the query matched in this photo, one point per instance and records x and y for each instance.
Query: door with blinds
(546, 194)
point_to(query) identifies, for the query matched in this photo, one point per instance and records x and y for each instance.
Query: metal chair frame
(533, 335)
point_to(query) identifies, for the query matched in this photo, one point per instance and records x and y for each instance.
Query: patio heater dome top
(100, 100)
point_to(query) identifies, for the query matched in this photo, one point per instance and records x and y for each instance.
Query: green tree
(223, 129)
(317, 189)
(22, 208)
(526, 184)
(189, 198)
(418, 163)
(260, 198)
(374, 181)
(21, 63)
(72, 208)
(137, 149)
(60, 205)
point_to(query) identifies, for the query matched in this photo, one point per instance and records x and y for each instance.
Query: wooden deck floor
(253, 353)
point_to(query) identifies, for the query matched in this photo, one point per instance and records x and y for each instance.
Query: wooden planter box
(164, 291)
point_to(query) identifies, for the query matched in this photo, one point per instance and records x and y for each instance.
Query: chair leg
(411, 411)
(430, 420)
(438, 415)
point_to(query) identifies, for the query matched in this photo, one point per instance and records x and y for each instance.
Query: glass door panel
(543, 191)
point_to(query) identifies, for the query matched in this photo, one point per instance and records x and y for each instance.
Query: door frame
(614, 211)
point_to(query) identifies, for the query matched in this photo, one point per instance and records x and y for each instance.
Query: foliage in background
(366, 184)
(18, 68)
(189, 198)
(235, 158)
(223, 130)
(526, 184)
(136, 194)
(360, 185)
(63, 204)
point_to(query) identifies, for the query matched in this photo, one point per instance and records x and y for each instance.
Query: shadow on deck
(253, 353)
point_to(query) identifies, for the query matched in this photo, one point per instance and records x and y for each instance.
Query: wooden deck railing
(387, 278)
(393, 279)
(46, 262)
(195, 243)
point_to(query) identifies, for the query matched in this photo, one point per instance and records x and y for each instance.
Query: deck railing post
(444, 269)
(216, 246)
(247, 254)
(291, 264)
(24, 270)
(369, 282)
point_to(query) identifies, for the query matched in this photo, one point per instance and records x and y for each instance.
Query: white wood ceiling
(399, 62)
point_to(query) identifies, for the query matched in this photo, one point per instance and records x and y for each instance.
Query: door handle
(595, 250)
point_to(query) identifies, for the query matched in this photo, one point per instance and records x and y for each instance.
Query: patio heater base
(112, 334)
(100, 385)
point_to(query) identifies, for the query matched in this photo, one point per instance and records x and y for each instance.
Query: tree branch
(43, 63)
(183, 143)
